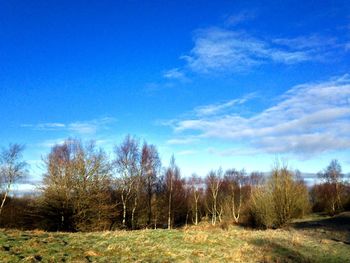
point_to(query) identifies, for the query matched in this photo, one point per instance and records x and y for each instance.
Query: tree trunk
(213, 219)
(186, 219)
(169, 211)
(133, 213)
(3, 201)
(124, 214)
(132, 218)
(196, 212)
(338, 196)
(170, 200)
(236, 216)
(5, 196)
(149, 209)
(155, 211)
(155, 223)
(220, 215)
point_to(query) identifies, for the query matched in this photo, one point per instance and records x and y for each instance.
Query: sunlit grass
(201, 244)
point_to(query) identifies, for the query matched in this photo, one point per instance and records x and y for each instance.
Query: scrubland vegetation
(222, 216)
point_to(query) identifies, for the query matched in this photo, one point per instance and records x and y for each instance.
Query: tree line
(84, 189)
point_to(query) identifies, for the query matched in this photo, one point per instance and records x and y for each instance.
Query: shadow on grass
(336, 228)
(275, 252)
(338, 222)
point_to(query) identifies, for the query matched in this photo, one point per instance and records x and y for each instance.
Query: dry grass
(193, 244)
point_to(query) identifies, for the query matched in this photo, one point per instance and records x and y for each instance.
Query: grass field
(194, 244)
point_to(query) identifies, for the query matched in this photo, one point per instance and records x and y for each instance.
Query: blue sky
(217, 83)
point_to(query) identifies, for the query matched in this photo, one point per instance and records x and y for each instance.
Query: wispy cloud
(182, 141)
(45, 126)
(49, 143)
(186, 152)
(347, 46)
(240, 17)
(307, 119)
(227, 50)
(153, 88)
(175, 74)
(218, 49)
(78, 127)
(232, 151)
(230, 49)
(314, 42)
(220, 107)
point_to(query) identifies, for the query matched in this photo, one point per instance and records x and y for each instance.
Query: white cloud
(186, 152)
(308, 119)
(215, 108)
(240, 17)
(232, 151)
(227, 50)
(313, 42)
(79, 127)
(220, 107)
(179, 141)
(347, 46)
(83, 127)
(51, 142)
(174, 73)
(218, 49)
(45, 126)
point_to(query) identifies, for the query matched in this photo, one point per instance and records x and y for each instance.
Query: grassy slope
(191, 245)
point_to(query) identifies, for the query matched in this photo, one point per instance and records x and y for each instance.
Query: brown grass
(202, 243)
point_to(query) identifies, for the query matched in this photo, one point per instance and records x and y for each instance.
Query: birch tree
(150, 166)
(234, 180)
(127, 166)
(332, 176)
(213, 182)
(196, 190)
(172, 175)
(12, 168)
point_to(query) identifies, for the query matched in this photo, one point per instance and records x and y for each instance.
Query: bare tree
(127, 166)
(333, 176)
(12, 168)
(234, 180)
(170, 180)
(172, 175)
(58, 188)
(213, 182)
(91, 181)
(150, 166)
(155, 204)
(255, 179)
(135, 195)
(75, 190)
(196, 190)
